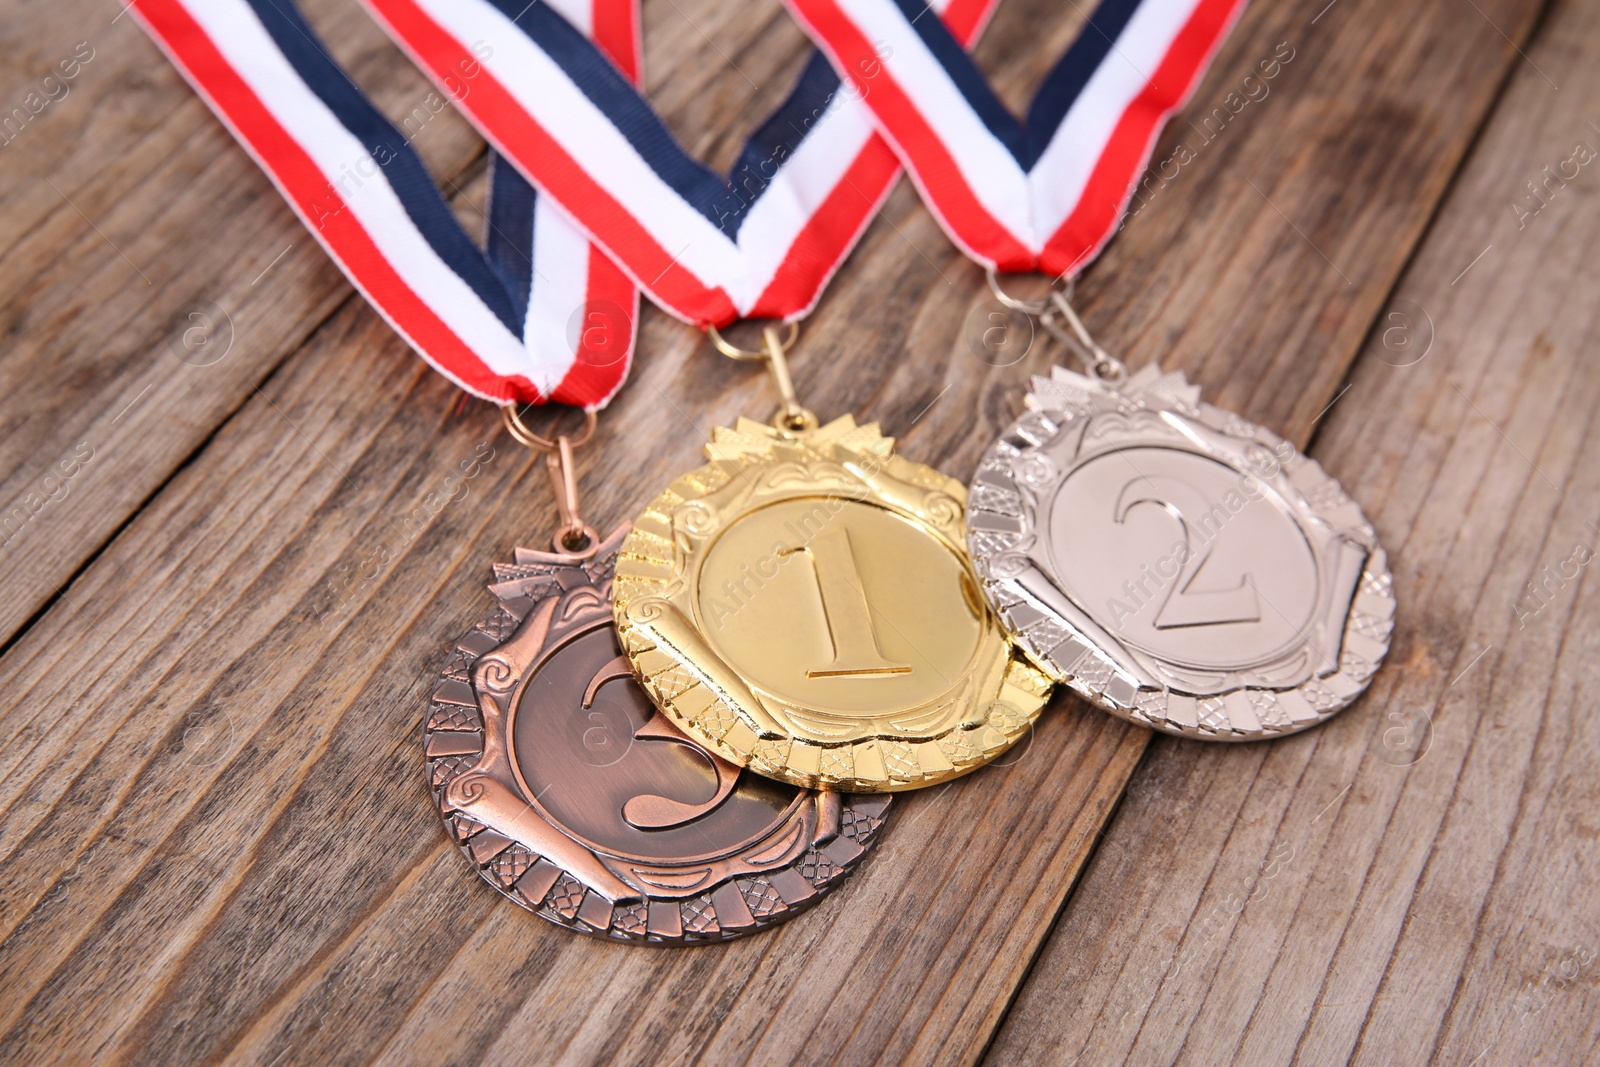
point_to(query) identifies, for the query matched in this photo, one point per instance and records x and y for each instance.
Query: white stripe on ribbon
(580, 13)
(999, 211)
(561, 281)
(354, 212)
(1056, 182)
(236, 32)
(743, 267)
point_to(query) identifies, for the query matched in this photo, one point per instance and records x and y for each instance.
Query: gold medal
(804, 605)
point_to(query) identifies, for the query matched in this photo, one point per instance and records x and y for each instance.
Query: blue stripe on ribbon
(509, 242)
(1073, 71)
(724, 202)
(780, 135)
(389, 150)
(1026, 142)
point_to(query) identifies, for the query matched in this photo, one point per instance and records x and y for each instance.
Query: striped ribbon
(760, 242)
(542, 312)
(1045, 194)
(538, 314)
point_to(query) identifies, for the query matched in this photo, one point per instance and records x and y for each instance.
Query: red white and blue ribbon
(761, 242)
(1042, 195)
(543, 313)
(539, 314)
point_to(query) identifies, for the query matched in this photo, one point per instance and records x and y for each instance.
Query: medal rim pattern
(1073, 658)
(454, 749)
(706, 698)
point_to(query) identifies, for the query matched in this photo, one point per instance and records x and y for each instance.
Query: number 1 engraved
(651, 811)
(1184, 605)
(845, 612)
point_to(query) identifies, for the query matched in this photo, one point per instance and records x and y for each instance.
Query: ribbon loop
(512, 322)
(761, 242)
(1042, 195)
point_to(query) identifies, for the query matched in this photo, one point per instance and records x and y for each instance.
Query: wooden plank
(125, 208)
(1416, 881)
(213, 833)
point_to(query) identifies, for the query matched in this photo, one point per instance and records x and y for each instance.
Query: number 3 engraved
(845, 613)
(651, 811)
(1184, 605)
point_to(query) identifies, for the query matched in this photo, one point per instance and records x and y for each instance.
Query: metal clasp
(573, 536)
(1052, 312)
(792, 416)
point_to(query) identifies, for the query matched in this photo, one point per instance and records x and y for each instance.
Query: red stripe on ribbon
(522, 139)
(950, 193)
(604, 336)
(1110, 186)
(616, 32)
(933, 169)
(311, 195)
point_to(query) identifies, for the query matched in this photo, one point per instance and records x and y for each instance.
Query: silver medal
(1174, 563)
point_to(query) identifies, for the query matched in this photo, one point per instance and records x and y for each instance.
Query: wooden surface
(1417, 881)
(214, 836)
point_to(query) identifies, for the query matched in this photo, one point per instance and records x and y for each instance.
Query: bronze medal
(571, 794)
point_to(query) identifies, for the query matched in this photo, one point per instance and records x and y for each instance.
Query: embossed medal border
(754, 465)
(1008, 534)
(547, 601)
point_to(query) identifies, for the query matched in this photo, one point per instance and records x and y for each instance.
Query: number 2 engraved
(845, 612)
(651, 811)
(1184, 605)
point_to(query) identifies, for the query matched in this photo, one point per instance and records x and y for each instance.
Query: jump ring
(1110, 370)
(520, 431)
(587, 536)
(744, 354)
(1030, 307)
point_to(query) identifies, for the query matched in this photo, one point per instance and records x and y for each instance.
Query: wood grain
(125, 207)
(1414, 882)
(214, 836)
